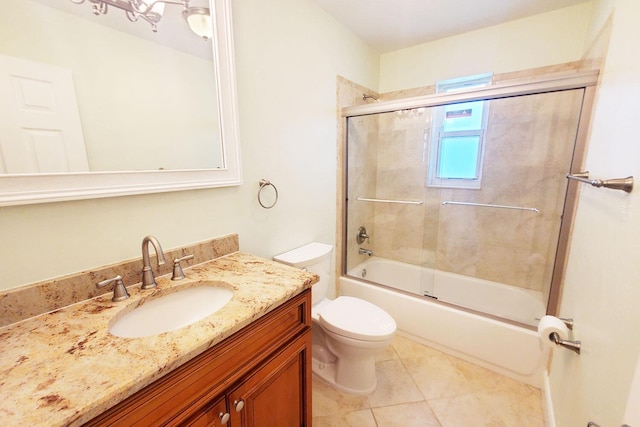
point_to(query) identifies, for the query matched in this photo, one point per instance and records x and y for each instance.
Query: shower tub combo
(494, 241)
(500, 346)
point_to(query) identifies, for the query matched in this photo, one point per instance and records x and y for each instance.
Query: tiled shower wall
(528, 150)
(360, 159)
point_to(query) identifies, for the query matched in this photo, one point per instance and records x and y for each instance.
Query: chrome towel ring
(263, 184)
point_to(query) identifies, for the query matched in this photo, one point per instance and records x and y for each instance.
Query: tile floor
(420, 386)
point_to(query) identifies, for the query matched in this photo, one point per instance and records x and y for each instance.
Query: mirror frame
(23, 189)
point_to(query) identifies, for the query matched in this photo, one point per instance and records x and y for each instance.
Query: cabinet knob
(224, 417)
(238, 404)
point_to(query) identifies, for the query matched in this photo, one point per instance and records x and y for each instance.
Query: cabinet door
(279, 392)
(213, 415)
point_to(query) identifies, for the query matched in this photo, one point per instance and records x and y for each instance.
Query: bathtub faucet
(365, 251)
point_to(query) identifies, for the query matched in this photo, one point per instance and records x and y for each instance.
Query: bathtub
(511, 350)
(506, 301)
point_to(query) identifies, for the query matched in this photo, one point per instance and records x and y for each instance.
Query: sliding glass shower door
(465, 213)
(384, 151)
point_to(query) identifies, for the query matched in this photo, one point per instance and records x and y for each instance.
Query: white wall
(602, 286)
(545, 39)
(291, 54)
(288, 54)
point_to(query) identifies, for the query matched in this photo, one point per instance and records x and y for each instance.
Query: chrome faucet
(365, 251)
(148, 281)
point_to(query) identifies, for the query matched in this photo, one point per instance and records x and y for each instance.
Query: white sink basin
(172, 311)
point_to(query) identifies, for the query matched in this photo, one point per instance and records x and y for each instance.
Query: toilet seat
(357, 319)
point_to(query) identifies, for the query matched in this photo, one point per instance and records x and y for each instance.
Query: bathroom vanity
(247, 364)
(260, 376)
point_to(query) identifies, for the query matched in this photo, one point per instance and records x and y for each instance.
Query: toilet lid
(358, 319)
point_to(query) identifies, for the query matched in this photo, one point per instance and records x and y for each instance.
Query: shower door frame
(586, 80)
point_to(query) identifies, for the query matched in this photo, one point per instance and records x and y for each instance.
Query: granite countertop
(64, 368)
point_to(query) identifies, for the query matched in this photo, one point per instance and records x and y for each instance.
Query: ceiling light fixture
(198, 18)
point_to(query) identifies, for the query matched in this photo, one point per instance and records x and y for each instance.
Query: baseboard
(547, 402)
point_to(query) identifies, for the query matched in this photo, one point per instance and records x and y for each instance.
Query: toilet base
(327, 373)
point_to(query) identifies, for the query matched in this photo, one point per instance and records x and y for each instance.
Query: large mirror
(98, 106)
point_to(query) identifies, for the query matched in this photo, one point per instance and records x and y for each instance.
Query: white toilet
(347, 332)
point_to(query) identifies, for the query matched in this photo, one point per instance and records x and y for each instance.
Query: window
(457, 137)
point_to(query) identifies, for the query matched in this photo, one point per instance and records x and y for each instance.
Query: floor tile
(406, 347)
(437, 377)
(362, 418)
(521, 406)
(328, 401)
(420, 386)
(389, 353)
(395, 385)
(417, 414)
(465, 411)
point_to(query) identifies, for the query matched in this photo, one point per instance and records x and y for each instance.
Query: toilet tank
(316, 258)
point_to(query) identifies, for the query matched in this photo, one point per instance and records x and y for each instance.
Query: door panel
(40, 128)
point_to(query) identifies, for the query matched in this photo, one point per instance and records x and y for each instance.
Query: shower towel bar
(624, 184)
(403, 202)
(486, 205)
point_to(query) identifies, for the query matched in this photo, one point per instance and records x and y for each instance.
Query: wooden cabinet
(213, 415)
(275, 395)
(260, 376)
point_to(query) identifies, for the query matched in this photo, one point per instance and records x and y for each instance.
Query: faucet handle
(119, 290)
(362, 235)
(178, 274)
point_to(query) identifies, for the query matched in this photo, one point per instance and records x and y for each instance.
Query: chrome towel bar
(486, 205)
(403, 202)
(624, 184)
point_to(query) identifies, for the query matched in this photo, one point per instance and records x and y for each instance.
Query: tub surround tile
(64, 368)
(38, 298)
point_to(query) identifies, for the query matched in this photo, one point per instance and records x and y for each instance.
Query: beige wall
(288, 53)
(601, 290)
(550, 38)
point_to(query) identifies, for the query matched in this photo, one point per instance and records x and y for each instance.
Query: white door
(40, 128)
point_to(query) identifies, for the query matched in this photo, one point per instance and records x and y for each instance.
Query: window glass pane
(465, 116)
(459, 157)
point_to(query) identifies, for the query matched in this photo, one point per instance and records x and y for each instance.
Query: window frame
(438, 134)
